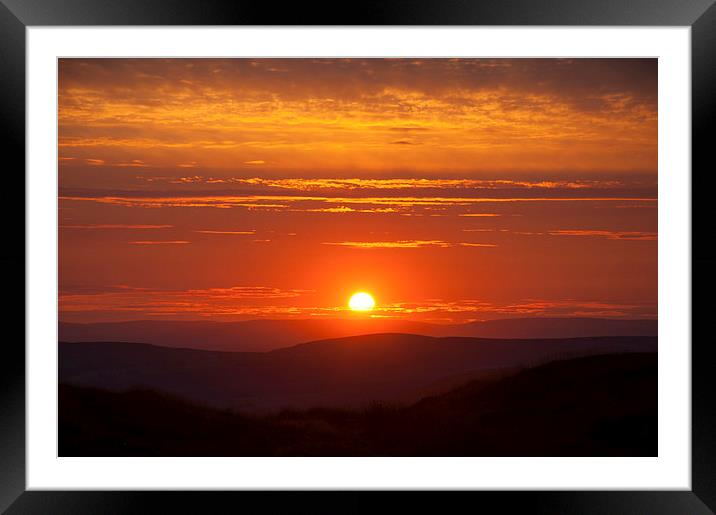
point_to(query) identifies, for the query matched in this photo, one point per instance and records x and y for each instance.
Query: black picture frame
(17, 15)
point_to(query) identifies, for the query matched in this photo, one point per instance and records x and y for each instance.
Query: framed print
(443, 248)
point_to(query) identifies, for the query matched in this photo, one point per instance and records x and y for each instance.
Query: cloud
(187, 180)
(409, 129)
(326, 114)
(163, 242)
(485, 230)
(320, 203)
(179, 303)
(348, 80)
(134, 163)
(227, 232)
(346, 209)
(115, 226)
(404, 244)
(610, 235)
(356, 183)
(453, 310)
(269, 302)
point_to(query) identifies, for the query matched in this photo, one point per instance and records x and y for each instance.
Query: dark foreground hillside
(593, 406)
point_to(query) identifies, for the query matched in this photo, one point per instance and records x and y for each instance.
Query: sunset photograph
(357, 257)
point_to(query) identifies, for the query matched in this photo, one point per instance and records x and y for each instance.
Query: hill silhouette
(265, 335)
(346, 372)
(591, 406)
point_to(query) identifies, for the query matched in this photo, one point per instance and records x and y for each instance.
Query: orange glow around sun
(361, 301)
(510, 187)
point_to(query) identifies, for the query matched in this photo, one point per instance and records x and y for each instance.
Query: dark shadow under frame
(16, 15)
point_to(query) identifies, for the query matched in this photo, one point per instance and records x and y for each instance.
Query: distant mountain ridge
(265, 335)
(340, 372)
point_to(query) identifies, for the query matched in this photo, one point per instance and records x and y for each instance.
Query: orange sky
(451, 189)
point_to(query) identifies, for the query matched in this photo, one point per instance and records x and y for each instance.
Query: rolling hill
(343, 372)
(265, 335)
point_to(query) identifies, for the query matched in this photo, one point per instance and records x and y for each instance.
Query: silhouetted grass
(595, 406)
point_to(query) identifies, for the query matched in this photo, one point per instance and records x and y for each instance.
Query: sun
(361, 301)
